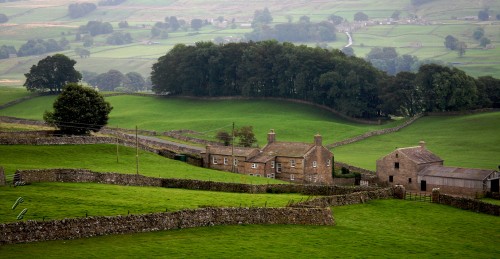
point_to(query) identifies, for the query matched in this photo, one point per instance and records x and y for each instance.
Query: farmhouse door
(423, 186)
(494, 185)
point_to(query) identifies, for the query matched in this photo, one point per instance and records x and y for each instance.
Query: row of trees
(40, 46)
(77, 10)
(6, 51)
(114, 80)
(295, 32)
(111, 2)
(348, 84)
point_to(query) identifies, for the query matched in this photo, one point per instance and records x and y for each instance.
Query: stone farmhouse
(418, 169)
(288, 161)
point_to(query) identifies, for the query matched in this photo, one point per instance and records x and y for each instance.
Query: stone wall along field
(33, 231)
(347, 199)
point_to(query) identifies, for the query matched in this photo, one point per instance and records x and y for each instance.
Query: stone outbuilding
(418, 169)
(289, 161)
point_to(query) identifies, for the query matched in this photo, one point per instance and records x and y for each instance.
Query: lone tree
(52, 73)
(246, 136)
(78, 110)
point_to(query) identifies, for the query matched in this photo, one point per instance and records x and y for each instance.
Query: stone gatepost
(435, 195)
(399, 192)
(2, 177)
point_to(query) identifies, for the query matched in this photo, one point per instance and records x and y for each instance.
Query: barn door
(494, 185)
(423, 186)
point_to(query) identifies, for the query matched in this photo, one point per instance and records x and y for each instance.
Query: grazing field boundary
(22, 99)
(87, 176)
(465, 203)
(34, 231)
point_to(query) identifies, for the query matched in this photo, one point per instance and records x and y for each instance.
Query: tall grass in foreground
(382, 228)
(75, 200)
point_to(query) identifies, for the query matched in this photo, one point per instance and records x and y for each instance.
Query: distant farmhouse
(288, 161)
(418, 169)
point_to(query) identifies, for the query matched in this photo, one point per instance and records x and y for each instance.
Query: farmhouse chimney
(422, 144)
(318, 140)
(271, 137)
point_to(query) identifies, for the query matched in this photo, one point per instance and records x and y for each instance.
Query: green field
(291, 121)
(48, 19)
(103, 158)
(383, 228)
(72, 200)
(467, 141)
(8, 94)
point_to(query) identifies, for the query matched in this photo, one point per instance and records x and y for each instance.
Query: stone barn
(289, 161)
(418, 169)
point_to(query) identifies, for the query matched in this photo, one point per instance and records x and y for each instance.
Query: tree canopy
(79, 110)
(52, 73)
(77, 10)
(349, 85)
(3, 18)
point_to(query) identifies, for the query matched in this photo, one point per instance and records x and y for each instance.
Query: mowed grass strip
(464, 141)
(103, 158)
(46, 201)
(382, 228)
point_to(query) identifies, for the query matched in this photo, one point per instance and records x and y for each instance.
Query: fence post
(435, 195)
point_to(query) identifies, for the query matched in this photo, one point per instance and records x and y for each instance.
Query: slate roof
(261, 158)
(456, 172)
(287, 149)
(419, 155)
(227, 150)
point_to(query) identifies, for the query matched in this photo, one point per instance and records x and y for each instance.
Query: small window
(214, 160)
(226, 160)
(315, 164)
(258, 175)
(292, 163)
(397, 155)
(235, 162)
(272, 175)
(272, 164)
(409, 180)
(278, 168)
(391, 179)
(250, 174)
(315, 178)
(254, 165)
(328, 162)
(292, 177)
(396, 165)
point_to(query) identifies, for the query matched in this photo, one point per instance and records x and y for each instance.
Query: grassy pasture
(8, 94)
(292, 122)
(103, 158)
(73, 200)
(383, 228)
(468, 141)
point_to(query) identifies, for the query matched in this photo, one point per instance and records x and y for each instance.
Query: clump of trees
(245, 135)
(6, 51)
(114, 80)
(52, 73)
(119, 38)
(77, 10)
(111, 2)
(79, 110)
(40, 46)
(349, 85)
(360, 16)
(3, 18)
(453, 43)
(95, 28)
(388, 60)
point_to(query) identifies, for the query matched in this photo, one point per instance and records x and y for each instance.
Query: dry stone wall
(33, 231)
(81, 175)
(467, 204)
(347, 199)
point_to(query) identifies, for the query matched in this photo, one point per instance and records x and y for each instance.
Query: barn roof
(228, 151)
(419, 155)
(456, 172)
(288, 149)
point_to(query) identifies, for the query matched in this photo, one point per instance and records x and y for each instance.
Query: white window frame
(226, 160)
(235, 162)
(292, 163)
(254, 166)
(278, 168)
(272, 164)
(328, 162)
(292, 177)
(315, 164)
(214, 160)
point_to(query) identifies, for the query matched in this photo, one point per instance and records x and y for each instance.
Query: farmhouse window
(391, 179)
(235, 162)
(214, 160)
(225, 160)
(315, 164)
(292, 163)
(409, 180)
(272, 164)
(328, 162)
(292, 177)
(397, 155)
(278, 167)
(254, 165)
(396, 165)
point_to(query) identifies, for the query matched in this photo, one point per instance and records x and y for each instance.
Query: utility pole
(117, 155)
(136, 151)
(232, 150)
